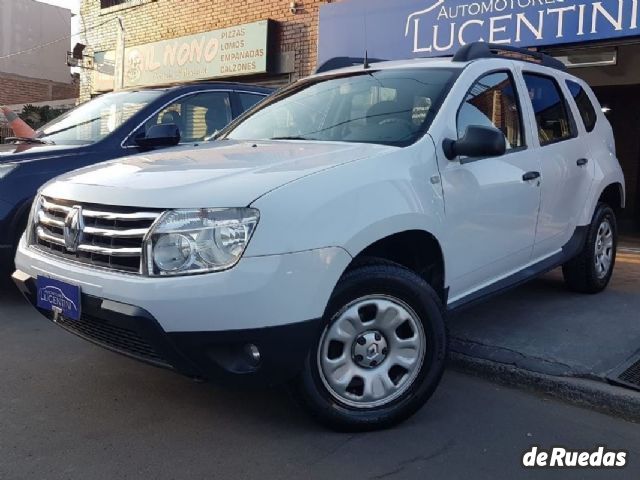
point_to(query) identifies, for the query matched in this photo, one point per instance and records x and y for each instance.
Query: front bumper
(259, 292)
(201, 325)
(220, 356)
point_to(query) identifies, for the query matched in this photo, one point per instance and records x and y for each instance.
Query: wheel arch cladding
(613, 195)
(417, 250)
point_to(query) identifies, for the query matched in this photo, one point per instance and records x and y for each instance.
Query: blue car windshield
(96, 119)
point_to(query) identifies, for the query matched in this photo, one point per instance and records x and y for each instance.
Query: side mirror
(163, 135)
(478, 141)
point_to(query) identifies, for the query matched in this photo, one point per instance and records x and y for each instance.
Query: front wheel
(382, 352)
(591, 270)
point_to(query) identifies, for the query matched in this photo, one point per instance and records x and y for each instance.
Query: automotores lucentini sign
(421, 28)
(240, 50)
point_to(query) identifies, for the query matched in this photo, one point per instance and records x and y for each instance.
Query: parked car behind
(107, 127)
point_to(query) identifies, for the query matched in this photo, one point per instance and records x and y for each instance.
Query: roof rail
(476, 50)
(336, 63)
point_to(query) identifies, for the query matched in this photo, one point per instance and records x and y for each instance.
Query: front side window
(198, 116)
(493, 102)
(390, 107)
(585, 107)
(96, 119)
(550, 109)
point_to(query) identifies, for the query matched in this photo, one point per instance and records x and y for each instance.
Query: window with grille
(111, 3)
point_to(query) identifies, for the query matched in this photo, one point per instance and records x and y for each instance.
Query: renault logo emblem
(73, 229)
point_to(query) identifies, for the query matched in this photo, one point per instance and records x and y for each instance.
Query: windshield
(97, 118)
(391, 107)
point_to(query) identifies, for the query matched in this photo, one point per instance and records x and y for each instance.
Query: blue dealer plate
(60, 297)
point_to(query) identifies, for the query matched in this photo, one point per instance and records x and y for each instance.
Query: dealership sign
(394, 29)
(228, 52)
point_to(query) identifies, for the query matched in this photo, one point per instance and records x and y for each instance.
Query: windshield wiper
(29, 140)
(291, 138)
(86, 122)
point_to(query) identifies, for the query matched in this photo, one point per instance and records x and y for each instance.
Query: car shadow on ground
(530, 317)
(546, 326)
(84, 368)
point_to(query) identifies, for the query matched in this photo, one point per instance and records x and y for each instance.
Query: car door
(491, 209)
(566, 170)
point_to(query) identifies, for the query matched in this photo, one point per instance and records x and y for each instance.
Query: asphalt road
(69, 410)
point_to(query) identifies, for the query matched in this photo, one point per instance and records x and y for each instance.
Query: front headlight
(185, 242)
(6, 168)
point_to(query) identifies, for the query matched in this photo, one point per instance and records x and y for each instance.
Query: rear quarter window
(584, 104)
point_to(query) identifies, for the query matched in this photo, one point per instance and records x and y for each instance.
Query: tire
(413, 319)
(588, 272)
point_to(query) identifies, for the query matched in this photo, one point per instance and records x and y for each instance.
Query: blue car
(107, 127)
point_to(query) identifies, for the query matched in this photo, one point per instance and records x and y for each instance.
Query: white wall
(27, 23)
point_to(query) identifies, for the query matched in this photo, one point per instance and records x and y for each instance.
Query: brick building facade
(146, 21)
(33, 51)
(16, 89)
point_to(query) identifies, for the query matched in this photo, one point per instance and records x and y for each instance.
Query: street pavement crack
(401, 466)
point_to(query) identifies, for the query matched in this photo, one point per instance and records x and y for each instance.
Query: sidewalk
(570, 345)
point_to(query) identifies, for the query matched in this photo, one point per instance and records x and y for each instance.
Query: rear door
(565, 164)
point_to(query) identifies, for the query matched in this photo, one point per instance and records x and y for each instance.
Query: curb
(596, 395)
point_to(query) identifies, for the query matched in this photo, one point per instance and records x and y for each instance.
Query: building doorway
(622, 103)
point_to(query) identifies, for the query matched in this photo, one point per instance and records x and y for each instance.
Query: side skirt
(573, 247)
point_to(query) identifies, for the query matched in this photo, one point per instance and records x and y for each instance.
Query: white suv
(322, 239)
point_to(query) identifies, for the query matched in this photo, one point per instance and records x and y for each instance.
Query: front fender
(13, 211)
(353, 205)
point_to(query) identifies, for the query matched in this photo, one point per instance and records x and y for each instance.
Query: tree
(36, 117)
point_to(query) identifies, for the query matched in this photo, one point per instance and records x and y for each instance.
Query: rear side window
(550, 108)
(492, 102)
(585, 107)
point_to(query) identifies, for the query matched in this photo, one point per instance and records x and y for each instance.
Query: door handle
(527, 177)
(582, 162)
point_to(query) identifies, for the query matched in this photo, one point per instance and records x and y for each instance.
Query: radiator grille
(107, 236)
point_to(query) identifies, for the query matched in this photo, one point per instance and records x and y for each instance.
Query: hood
(33, 151)
(221, 174)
